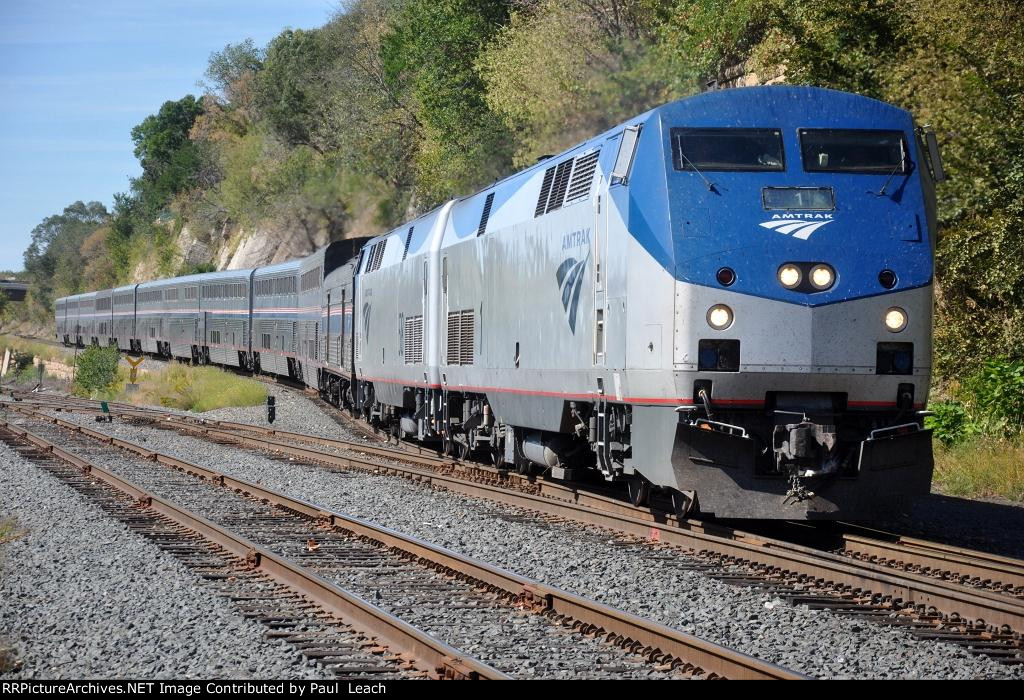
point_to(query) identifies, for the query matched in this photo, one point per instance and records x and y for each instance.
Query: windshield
(853, 151)
(727, 149)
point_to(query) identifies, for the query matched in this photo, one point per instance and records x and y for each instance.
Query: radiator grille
(461, 331)
(414, 340)
(376, 255)
(582, 177)
(560, 184)
(545, 190)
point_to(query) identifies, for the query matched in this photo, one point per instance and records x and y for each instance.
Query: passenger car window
(727, 149)
(853, 151)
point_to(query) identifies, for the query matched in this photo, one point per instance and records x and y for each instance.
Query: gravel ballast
(638, 578)
(81, 596)
(499, 633)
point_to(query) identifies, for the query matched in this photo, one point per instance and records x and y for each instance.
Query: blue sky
(75, 77)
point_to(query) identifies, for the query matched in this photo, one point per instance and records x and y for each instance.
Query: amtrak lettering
(576, 239)
(802, 216)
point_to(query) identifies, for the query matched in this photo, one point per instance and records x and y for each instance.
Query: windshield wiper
(711, 185)
(881, 192)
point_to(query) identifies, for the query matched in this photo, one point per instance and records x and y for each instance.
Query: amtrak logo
(570, 281)
(798, 225)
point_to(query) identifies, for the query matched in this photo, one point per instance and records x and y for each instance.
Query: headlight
(789, 276)
(719, 317)
(822, 277)
(895, 319)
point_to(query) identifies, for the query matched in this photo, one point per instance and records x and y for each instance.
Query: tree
(227, 69)
(563, 70)
(290, 92)
(169, 158)
(53, 260)
(430, 50)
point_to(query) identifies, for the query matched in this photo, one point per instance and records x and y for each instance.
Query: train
(726, 300)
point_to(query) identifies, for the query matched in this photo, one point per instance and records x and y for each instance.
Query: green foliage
(170, 160)
(845, 44)
(561, 71)
(430, 50)
(96, 370)
(996, 396)
(198, 269)
(290, 92)
(989, 402)
(230, 67)
(53, 266)
(951, 425)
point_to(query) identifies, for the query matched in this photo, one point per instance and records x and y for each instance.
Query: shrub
(996, 395)
(951, 425)
(28, 373)
(96, 370)
(990, 403)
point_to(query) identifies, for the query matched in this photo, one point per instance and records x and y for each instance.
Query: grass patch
(8, 660)
(981, 468)
(9, 531)
(29, 347)
(197, 389)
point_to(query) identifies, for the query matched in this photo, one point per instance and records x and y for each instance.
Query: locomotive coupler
(805, 448)
(797, 491)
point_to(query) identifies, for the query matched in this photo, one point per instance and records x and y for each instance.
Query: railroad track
(932, 590)
(443, 595)
(347, 635)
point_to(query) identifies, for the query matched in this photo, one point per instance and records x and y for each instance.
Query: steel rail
(925, 554)
(627, 629)
(399, 636)
(920, 590)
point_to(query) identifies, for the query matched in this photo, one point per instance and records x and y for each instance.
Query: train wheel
(639, 490)
(683, 503)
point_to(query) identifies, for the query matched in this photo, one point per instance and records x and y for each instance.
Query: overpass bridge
(13, 290)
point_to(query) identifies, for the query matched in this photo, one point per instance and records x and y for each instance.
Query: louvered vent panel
(545, 190)
(414, 340)
(485, 215)
(582, 177)
(408, 240)
(377, 254)
(461, 332)
(466, 333)
(452, 353)
(560, 185)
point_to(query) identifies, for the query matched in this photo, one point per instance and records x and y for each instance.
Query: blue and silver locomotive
(728, 298)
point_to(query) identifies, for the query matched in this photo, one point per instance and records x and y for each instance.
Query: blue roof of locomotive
(692, 231)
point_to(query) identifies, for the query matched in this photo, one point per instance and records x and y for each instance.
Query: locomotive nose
(878, 335)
